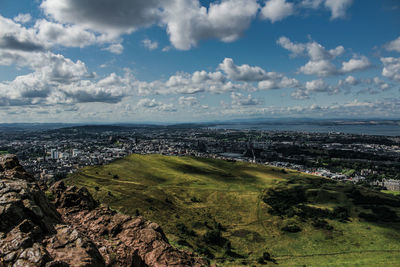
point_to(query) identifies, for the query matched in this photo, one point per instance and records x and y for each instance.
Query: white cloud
(296, 49)
(391, 68)
(51, 34)
(153, 104)
(355, 64)
(188, 22)
(279, 82)
(319, 68)
(103, 16)
(338, 7)
(244, 72)
(188, 101)
(23, 18)
(320, 58)
(276, 10)
(393, 45)
(316, 86)
(350, 80)
(15, 37)
(115, 48)
(149, 44)
(240, 100)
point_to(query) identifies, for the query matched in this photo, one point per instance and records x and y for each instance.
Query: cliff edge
(73, 229)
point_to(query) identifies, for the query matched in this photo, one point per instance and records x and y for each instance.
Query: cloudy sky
(197, 60)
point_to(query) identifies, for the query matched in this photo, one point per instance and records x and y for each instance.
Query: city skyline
(183, 61)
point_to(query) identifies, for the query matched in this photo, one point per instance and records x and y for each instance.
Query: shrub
(291, 228)
(184, 230)
(214, 237)
(322, 224)
(206, 252)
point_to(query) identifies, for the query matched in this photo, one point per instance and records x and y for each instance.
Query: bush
(206, 252)
(214, 237)
(261, 260)
(322, 224)
(183, 242)
(195, 200)
(291, 228)
(184, 230)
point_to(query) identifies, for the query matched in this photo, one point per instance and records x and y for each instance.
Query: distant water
(386, 130)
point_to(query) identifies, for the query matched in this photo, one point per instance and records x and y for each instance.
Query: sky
(133, 61)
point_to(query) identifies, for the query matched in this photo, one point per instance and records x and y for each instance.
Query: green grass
(200, 193)
(2, 152)
(395, 193)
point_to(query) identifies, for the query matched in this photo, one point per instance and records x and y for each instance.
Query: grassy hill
(237, 213)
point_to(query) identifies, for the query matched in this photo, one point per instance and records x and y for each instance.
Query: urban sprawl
(51, 155)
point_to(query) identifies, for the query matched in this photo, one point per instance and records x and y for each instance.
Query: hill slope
(235, 212)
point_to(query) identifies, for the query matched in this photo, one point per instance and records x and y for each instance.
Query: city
(53, 154)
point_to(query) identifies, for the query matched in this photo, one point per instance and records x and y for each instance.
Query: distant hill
(239, 213)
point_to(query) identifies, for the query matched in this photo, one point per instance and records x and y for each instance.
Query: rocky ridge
(74, 230)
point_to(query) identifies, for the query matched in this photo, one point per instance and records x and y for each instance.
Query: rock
(71, 247)
(68, 232)
(73, 197)
(11, 169)
(127, 241)
(29, 222)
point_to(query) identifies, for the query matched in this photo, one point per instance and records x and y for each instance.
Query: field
(234, 212)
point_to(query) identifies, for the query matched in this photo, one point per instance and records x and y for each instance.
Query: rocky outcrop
(74, 230)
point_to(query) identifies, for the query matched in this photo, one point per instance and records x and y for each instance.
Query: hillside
(69, 228)
(237, 213)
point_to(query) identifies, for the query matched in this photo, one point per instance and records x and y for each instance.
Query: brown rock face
(79, 233)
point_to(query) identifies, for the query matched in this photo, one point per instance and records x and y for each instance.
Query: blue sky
(182, 61)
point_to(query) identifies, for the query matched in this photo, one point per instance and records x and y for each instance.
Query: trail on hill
(336, 253)
(108, 179)
(259, 215)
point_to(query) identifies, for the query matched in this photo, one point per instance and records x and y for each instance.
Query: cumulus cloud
(153, 104)
(23, 18)
(314, 86)
(355, 64)
(319, 67)
(350, 80)
(393, 45)
(276, 10)
(103, 16)
(51, 33)
(115, 48)
(338, 7)
(296, 49)
(278, 83)
(15, 37)
(188, 101)
(188, 22)
(240, 100)
(45, 34)
(244, 72)
(391, 68)
(149, 44)
(320, 58)
(58, 80)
